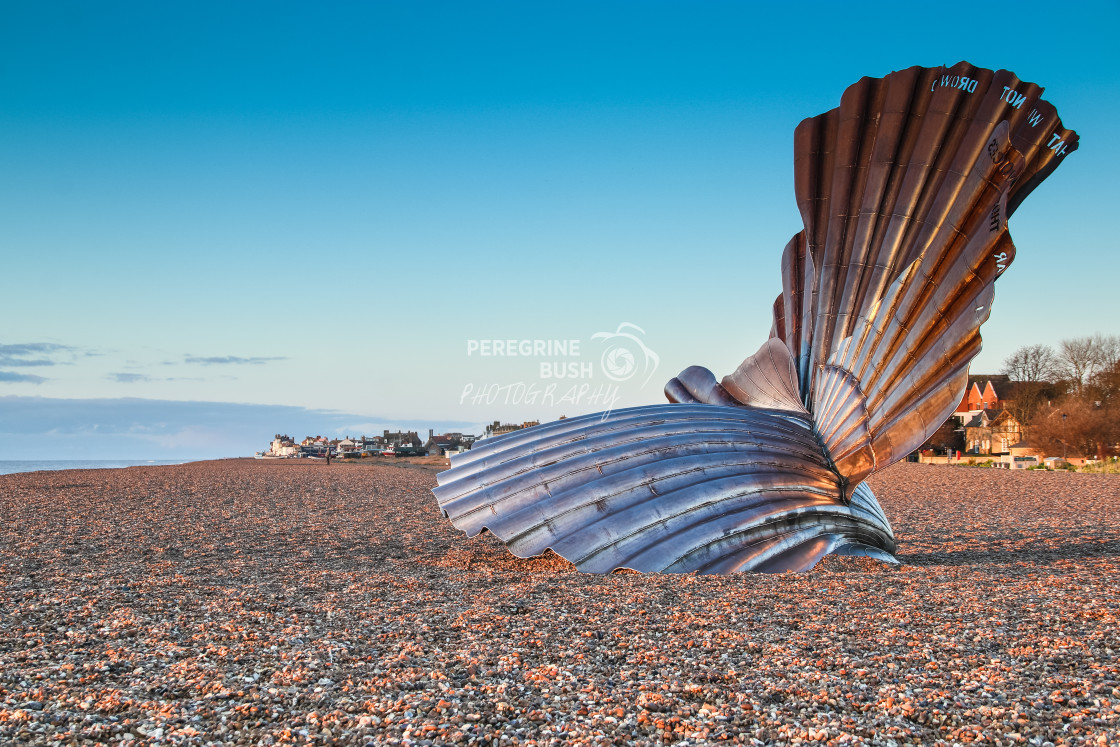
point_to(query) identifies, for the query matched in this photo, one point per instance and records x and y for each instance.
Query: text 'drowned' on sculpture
(905, 190)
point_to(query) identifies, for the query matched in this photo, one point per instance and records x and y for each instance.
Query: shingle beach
(256, 602)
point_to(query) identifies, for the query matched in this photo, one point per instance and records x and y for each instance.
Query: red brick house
(981, 394)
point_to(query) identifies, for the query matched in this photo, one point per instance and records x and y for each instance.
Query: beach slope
(246, 602)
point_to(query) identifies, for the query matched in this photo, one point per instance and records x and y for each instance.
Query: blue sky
(313, 209)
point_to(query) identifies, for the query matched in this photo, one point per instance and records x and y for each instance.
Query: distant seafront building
(981, 420)
(981, 394)
(447, 443)
(988, 426)
(981, 417)
(407, 443)
(402, 438)
(372, 445)
(283, 445)
(992, 432)
(498, 428)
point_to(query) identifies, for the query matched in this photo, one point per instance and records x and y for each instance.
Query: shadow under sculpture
(905, 190)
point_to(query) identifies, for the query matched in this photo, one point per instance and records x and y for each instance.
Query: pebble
(248, 602)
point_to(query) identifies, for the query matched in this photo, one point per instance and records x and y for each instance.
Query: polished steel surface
(905, 190)
(663, 488)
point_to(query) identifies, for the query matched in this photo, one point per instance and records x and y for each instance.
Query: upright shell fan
(905, 191)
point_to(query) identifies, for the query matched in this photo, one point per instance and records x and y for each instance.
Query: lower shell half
(668, 488)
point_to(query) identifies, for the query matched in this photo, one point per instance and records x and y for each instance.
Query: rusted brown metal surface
(905, 190)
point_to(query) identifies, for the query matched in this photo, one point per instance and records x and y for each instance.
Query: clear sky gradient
(314, 207)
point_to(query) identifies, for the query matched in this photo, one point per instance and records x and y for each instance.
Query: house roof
(1004, 415)
(995, 379)
(982, 419)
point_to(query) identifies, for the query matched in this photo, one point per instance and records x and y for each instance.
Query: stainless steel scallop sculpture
(905, 190)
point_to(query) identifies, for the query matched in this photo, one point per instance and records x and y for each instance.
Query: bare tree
(1078, 358)
(1104, 384)
(1031, 368)
(1108, 351)
(1031, 363)
(1024, 400)
(1079, 427)
(948, 438)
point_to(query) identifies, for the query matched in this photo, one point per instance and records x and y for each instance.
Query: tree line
(1066, 398)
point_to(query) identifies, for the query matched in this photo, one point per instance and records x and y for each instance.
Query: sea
(11, 466)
